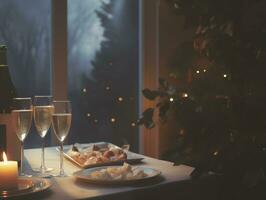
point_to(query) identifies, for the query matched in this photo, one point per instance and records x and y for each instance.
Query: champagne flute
(22, 115)
(61, 121)
(43, 110)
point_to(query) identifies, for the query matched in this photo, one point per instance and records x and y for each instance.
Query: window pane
(103, 70)
(25, 28)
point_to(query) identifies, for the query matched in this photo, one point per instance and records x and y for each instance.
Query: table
(173, 183)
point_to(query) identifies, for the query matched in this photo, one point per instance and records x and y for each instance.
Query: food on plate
(95, 154)
(108, 154)
(125, 172)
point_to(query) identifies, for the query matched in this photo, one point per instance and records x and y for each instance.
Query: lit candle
(8, 173)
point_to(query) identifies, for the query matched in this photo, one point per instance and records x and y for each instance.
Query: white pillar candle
(8, 174)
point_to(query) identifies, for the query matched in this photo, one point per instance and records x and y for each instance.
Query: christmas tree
(217, 91)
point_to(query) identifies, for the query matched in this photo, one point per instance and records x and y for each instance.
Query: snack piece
(108, 154)
(73, 154)
(116, 151)
(122, 156)
(104, 159)
(74, 148)
(102, 174)
(139, 174)
(89, 154)
(95, 148)
(91, 160)
(125, 172)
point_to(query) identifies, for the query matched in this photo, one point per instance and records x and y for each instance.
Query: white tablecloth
(68, 188)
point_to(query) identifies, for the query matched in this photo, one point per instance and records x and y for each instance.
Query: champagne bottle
(7, 89)
(8, 140)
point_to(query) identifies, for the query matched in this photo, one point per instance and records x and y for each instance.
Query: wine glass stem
(21, 159)
(42, 162)
(61, 160)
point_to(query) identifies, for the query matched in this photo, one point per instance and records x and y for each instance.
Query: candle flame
(4, 157)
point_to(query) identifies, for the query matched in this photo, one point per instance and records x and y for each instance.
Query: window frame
(59, 49)
(149, 72)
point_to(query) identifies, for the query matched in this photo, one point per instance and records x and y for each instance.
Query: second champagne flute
(43, 110)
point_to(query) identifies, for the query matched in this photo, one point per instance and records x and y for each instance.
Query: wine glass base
(38, 170)
(61, 175)
(45, 175)
(25, 175)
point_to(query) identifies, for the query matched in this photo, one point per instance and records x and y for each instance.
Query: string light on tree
(176, 5)
(88, 115)
(185, 95)
(107, 87)
(96, 121)
(225, 75)
(113, 120)
(120, 99)
(205, 70)
(171, 99)
(197, 71)
(84, 90)
(133, 124)
(182, 132)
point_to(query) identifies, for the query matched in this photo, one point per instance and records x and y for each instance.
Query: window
(103, 59)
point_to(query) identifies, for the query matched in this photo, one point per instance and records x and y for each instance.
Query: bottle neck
(3, 56)
(4, 71)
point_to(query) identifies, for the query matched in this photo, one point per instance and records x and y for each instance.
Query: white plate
(27, 186)
(84, 176)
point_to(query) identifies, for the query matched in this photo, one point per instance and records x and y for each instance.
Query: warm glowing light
(113, 119)
(204, 70)
(225, 75)
(88, 114)
(96, 121)
(133, 124)
(107, 87)
(120, 99)
(171, 99)
(84, 90)
(184, 95)
(215, 153)
(197, 71)
(9, 173)
(4, 157)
